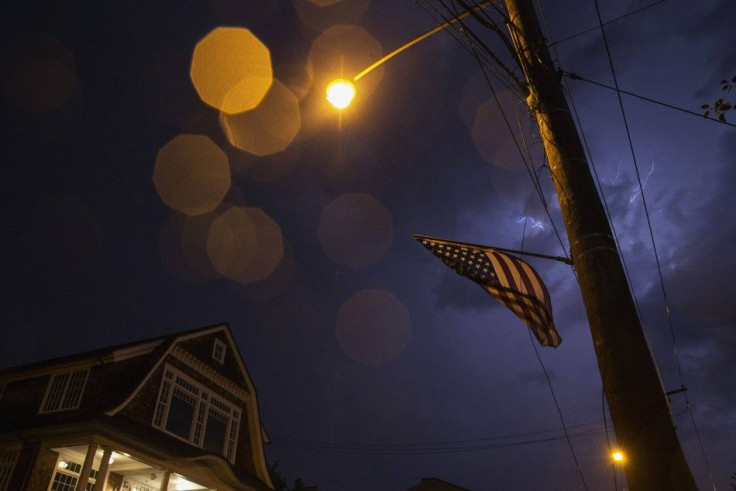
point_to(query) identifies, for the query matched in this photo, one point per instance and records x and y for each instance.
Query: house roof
(108, 353)
(434, 484)
(131, 365)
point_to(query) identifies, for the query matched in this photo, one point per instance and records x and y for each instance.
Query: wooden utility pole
(638, 405)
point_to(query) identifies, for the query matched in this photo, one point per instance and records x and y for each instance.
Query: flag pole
(565, 260)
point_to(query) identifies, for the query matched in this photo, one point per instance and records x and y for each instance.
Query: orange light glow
(41, 74)
(373, 327)
(340, 93)
(322, 14)
(231, 70)
(346, 50)
(182, 247)
(618, 456)
(192, 174)
(267, 129)
(355, 230)
(245, 244)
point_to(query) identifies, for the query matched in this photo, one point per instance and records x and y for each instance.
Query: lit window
(189, 411)
(64, 391)
(67, 476)
(218, 351)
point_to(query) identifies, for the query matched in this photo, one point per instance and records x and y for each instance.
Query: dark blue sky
(375, 364)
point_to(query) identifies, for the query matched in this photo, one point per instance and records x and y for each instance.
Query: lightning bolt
(643, 184)
(535, 224)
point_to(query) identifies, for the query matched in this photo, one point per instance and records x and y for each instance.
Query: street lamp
(341, 92)
(618, 339)
(618, 456)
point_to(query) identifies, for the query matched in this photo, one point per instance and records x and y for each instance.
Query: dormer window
(193, 413)
(218, 351)
(64, 391)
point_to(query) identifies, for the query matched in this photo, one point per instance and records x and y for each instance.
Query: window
(189, 411)
(64, 391)
(7, 464)
(67, 475)
(218, 351)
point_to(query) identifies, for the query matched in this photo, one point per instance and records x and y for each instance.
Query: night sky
(375, 364)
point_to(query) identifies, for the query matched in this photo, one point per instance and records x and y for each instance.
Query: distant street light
(618, 456)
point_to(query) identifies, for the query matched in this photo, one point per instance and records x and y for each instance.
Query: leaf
(705, 106)
(722, 117)
(706, 113)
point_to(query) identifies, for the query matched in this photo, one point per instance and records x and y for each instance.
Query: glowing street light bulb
(340, 93)
(617, 456)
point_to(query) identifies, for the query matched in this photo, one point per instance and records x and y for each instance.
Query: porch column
(86, 468)
(102, 473)
(165, 480)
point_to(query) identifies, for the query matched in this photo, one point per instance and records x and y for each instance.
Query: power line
(423, 448)
(473, 44)
(636, 11)
(651, 232)
(559, 412)
(593, 424)
(575, 76)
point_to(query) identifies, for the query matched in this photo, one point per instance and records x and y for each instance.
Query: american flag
(509, 279)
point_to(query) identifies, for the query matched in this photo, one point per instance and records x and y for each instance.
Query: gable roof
(149, 355)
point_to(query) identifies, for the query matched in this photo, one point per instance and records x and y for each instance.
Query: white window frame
(64, 391)
(219, 349)
(206, 402)
(7, 465)
(71, 473)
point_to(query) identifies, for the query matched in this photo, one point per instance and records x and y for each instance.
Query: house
(173, 412)
(434, 484)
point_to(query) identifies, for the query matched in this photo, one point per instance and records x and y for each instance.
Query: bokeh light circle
(373, 327)
(320, 15)
(182, 246)
(489, 121)
(267, 129)
(231, 69)
(39, 72)
(192, 174)
(72, 231)
(355, 230)
(245, 244)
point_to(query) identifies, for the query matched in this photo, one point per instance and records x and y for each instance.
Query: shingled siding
(21, 400)
(43, 470)
(34, 468)
(143, 405)
(244, 454)
(110, 383)
(201, 347)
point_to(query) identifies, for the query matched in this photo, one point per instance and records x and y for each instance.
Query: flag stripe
(509, 274)
(507, 278)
